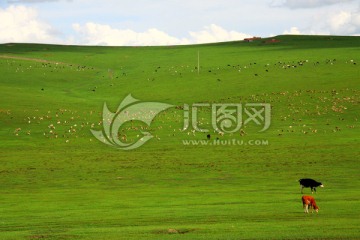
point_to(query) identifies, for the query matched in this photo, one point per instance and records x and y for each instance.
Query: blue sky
(168, 22)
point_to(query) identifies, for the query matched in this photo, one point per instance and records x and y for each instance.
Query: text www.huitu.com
(226, 142)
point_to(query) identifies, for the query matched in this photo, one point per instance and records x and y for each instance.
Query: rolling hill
(59, 182)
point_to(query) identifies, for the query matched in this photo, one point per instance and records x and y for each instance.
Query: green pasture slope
(58, 182)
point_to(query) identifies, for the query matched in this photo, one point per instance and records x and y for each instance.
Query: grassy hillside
(59, 182)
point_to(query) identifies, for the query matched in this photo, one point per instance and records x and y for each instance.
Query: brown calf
(309, 202)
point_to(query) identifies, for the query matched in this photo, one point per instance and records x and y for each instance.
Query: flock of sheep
(325, 102)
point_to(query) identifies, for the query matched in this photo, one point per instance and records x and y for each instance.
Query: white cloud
(331, 22)
(33, 1)
(339, 21)
(99, 34)
(21, 24)
(306, 3)
(293, 31)
(345, 23)
(214, 33)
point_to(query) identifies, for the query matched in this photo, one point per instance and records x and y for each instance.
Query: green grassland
(59, 182)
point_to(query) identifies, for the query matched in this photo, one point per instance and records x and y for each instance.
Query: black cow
(311, 183)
